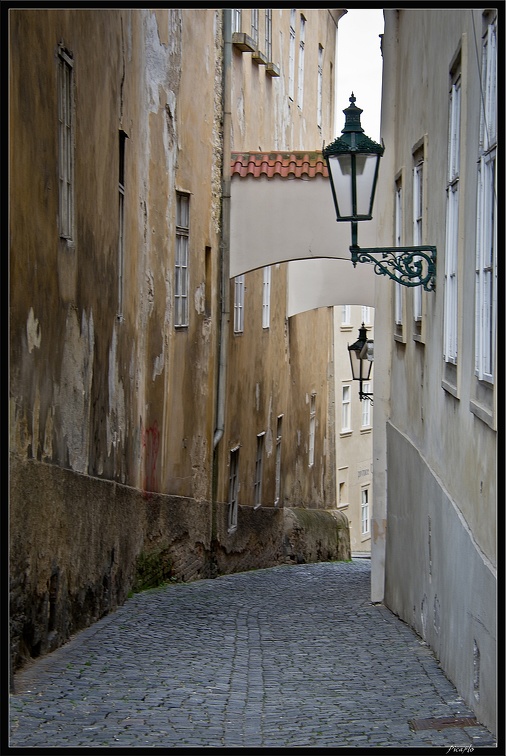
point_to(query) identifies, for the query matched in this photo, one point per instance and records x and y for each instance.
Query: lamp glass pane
(355, 364)
(340, 167)
(366, 171)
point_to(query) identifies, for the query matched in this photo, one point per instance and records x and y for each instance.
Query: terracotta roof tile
(303, 165)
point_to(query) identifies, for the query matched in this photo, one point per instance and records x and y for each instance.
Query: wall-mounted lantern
(361, 359)
(353, 164)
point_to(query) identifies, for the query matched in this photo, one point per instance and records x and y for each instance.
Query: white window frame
(486, 227)
(452, 224)
(417, 230)
(266, 297)
(259, 466)
(268, 34)
(300, 75)
(366, 315)
(236, 19)
(65, 144)
(399, 288)
(346, 409)
(291, 55)
(346, 315)
(254, 25)
(364, 512)
(312, 428)
(366, 406)
(319, 97)
(233, 489)
(181, 277)
(239, 289)
(279, 436)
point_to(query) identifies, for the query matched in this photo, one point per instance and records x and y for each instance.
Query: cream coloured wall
(354, 466)
(435, 452)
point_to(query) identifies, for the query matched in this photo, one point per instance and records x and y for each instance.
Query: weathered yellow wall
(113, 414)
(274, 372)
(111, 399)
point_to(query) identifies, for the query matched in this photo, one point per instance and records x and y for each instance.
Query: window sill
(418, 338)
(346, 327)
(366, 429)
(343, 506)
(346, 433)
(243, 42)
(399, 338)
(450, 389)
(272, 70)
(259, 58)
(482, 413)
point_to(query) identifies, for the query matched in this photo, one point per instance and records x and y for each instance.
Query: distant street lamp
(361, 359)
(353, 164)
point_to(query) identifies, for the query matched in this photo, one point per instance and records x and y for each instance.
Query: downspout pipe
(225, 228)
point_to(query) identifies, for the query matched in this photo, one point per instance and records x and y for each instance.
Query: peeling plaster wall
(274, 371)
(111, 409)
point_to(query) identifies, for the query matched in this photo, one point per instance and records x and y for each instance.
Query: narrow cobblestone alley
(291, 656)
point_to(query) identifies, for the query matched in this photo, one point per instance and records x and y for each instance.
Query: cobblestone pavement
(291, 656)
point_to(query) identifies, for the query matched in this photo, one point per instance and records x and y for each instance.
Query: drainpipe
(224, 252)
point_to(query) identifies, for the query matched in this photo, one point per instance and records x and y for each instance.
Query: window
(254, 25)
(291, 55)
(259, 470)
(300, 79)
(366, 406)
(266, 298)
(65, 144)
(239, 304)
(319, 100)
(417, 231)
(342, 494)
(346, 315)
(268, 33)
(181, 284)
(399, 289)
(278, 460)
(312, 428)
(121, 235)
(452, 223)
(233, 489)
(236, 19)
(365, 511)
(366, 315)
(486, 238)
(346, 419)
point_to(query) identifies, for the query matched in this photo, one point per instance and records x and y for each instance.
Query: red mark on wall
(150, 443)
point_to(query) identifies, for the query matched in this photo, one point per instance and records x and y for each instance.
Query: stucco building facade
(130, 385)
(354, 428)
(434, 546)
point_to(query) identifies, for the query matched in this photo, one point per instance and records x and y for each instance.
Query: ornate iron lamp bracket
(409, 266)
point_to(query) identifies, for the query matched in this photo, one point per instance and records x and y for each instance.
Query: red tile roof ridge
(284, 163)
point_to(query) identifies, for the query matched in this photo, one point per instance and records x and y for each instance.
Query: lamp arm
(409, 266)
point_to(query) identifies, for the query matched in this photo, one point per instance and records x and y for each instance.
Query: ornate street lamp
(361, 359)
(353, 164)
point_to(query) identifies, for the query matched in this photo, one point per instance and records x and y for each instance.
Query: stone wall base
(79, 546)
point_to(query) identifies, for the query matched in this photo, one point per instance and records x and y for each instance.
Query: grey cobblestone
(291, 656)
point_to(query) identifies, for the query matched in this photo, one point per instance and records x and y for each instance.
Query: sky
(359, 67)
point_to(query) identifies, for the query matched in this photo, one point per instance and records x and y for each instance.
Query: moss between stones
(153, 568)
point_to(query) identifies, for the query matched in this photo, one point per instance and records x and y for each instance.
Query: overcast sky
(359, 66)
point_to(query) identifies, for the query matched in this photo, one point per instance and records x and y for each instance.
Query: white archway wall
(293, 220)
